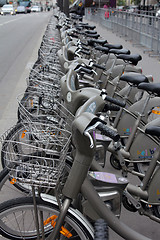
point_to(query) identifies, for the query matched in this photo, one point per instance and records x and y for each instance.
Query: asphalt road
(20, 38)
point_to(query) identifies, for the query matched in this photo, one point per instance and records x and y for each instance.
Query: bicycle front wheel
(17, 220)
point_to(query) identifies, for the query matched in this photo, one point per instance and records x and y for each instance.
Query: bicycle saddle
(153, 130)
(150, 87)
(90, 27)
(79, 28)
(91, 42)
(115, 46)
(119, 51)
(92, 35)
(103, 49)
(84, 47)
(76, 17)
(133, 58)
(134, 78)
(90, 32)
(85, 52)
(84, 24)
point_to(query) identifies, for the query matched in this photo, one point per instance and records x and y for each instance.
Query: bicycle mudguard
(77, 214)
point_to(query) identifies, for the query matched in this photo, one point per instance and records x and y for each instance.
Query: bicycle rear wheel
(101, 231)
(9, 189)
(17, 133)
(17, 220)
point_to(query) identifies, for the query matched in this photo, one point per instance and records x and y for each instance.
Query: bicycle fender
(76, 213)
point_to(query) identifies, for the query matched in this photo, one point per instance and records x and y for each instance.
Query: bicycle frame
(132, 123)
(101, 209)
(77, 177)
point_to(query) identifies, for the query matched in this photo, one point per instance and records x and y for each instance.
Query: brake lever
(87, 134)
(94, 72)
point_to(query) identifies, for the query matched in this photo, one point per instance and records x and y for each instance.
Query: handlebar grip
(115, 101)
(85, 48)
(86, 70)
(99, 66)
(113, 108)
(73, 35)
(85, 44)
(108, 132)
(85, 52)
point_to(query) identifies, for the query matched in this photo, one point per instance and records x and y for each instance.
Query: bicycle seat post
(136, 124)
(119, 114)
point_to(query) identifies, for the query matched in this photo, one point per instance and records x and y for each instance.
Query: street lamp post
(61, 5)
(66, 7)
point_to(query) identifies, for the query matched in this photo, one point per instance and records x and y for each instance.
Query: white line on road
(1, 24)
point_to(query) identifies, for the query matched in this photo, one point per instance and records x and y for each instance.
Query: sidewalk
(150, 65)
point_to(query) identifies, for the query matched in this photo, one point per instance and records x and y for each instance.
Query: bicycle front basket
(34, 162)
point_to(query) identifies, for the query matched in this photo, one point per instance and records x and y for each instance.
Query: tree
(121, 2)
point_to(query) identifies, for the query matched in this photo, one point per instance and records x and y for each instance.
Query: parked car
(8, 9)
(35, 9)
(120, 8)
(21, 9)
(26, 4)
(131, 8)
(158, 13)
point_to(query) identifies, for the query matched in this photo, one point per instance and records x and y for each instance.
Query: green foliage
(136, 2)
(121, 2)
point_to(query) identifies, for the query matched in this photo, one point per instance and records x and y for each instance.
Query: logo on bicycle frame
(127, 131)
(147, 153)
(91, 108)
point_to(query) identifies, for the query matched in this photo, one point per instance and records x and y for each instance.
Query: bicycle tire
(15, 214)
(16, 134)
(10, 183)
(30, 102)
(7, 188)
(101, 231)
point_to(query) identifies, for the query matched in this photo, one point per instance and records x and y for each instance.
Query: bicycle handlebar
(84, 69)
(99, 66)
(84, 52)
(115, 101)
(105, 130)
(111, 108)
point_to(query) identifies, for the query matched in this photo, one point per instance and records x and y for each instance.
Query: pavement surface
(150, 65)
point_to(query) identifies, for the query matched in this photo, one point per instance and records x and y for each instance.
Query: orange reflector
(13, 181)
(31, 101)
(156, 112)
(63, 230)
(23, 133)
(48, 220)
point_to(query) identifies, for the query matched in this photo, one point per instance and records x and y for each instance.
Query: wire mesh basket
(45, 87)
(39, 111)
(35, 163)
(46, 73)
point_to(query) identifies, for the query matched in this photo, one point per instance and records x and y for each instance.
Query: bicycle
(75, 181)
